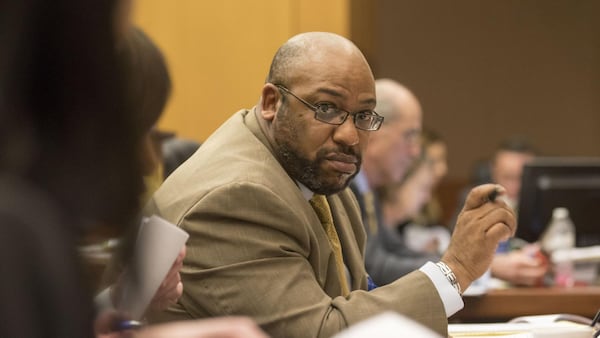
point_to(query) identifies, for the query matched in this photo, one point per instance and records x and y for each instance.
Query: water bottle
(558, 238)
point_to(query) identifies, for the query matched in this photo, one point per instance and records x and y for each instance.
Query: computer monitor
(570, 182)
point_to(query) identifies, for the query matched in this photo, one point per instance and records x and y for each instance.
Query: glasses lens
(330, 114)
(366, 121)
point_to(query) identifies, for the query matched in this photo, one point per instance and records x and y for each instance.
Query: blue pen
(124, 325)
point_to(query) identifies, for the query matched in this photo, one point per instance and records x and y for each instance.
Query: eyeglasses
(328, 113)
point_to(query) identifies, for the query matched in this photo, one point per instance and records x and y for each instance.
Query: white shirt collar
(361, 182)
(307, 193)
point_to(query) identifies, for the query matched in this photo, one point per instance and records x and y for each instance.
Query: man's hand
(526, 266)
(481, 225)
(171, 288)
(222, 327)
(168, 292)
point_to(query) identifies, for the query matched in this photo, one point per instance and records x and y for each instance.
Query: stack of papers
(387, 325)
(521, 330)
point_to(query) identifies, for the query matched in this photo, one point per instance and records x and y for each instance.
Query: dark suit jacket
(387, 257)
(42, 292)
(257, 248)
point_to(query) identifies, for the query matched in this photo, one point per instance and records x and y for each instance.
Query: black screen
(551, 182)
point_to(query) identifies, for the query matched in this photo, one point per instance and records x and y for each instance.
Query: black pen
(594, 322)
(596, 319)
(492, 195)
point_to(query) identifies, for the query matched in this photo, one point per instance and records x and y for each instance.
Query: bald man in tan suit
(256, 245)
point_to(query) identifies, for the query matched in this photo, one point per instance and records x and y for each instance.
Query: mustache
(343, 153)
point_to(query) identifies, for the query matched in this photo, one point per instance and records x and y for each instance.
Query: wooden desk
(505, 304)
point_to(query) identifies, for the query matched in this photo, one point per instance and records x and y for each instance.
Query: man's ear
(269, 103)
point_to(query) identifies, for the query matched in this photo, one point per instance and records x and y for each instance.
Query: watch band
(445, 269)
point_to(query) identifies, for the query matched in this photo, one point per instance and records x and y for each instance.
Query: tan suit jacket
(257, 248)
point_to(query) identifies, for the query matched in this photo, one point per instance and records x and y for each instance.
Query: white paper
(157, 245)
(552, 318)
(582, 254)
(521, 330)
(387, 325)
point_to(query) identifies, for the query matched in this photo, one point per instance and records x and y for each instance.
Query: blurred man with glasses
(275, 233)
(388, 157)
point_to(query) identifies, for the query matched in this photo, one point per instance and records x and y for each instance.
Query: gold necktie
(319, 203)
(370, 212)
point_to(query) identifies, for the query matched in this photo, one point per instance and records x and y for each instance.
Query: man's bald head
(394, 100)
(308, 50)
(393, 148)
(327, 70)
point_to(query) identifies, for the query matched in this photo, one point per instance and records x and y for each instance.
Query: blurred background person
(506, 166)
(63, 115)
(516, 262)
(70, 160)
(387, 158)
(149, 87)
(435, 154)
(175, 151)
(410, 233)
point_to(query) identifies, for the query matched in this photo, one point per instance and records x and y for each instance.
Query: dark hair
(149, 80)
(515, 144)
(175, 151)
(149, 87)
(429, 136)
(61, 89)
(518, 144)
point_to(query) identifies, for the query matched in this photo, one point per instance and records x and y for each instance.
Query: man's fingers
(173, 294)
(502, 216)
(499, 232)
(482, 194)
(172, 274)
(168, 284)
(167, 297)
(181, 255)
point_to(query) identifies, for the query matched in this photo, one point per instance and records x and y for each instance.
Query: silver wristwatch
(445, 269)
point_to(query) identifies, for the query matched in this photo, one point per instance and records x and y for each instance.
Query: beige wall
(219, 51)
(485, 70)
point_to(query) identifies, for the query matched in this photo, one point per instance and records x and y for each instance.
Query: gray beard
(308, 172)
